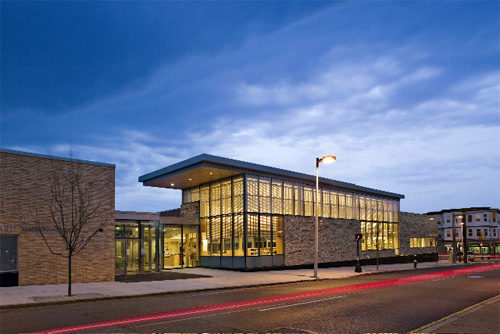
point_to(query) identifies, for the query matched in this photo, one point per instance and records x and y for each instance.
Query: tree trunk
(69, 274)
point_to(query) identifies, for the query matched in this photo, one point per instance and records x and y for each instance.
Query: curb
(104, 298)
(96, 299)
(451, 316)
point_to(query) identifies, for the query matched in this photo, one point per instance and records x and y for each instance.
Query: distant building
(481, 226)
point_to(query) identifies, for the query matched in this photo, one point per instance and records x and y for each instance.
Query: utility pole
(454, 242)
(464, 235)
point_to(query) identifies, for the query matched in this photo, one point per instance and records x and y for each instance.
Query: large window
(205, 236)
(215, 236)
(227, 235)
(265, 195)
(265, 235)
(264, 200)
(253, 235)
(238, 235)
(277, 229)
(379, 236)
(422, 242)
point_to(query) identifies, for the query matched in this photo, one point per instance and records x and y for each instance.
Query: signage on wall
(43, 229)
(8, 227)
(14, 228)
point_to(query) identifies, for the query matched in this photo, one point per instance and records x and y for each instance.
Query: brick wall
(25, 194)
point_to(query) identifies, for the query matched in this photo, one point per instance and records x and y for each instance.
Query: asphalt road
(386, 308)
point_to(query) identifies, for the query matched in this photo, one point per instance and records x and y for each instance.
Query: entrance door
(132, 255)
(126, 255)
(190, 243)
(150, 256)
(120, 256)
(180, 246)
(8, 260)
(172, 247)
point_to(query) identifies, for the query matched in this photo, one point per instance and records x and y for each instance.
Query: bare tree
(71, 207)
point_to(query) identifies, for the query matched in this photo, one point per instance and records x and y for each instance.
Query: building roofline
(473, 208)
(136, 215)
(53, 157)
(249, 167)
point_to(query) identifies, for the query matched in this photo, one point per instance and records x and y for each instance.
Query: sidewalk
(45, 294)
(480, 318)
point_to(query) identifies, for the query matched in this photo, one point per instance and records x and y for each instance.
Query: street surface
(386, 302)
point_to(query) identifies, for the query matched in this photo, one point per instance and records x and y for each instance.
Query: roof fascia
(253, 168)
(53, 157)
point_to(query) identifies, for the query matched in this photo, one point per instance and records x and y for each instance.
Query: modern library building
(234, 215)
(253, 216)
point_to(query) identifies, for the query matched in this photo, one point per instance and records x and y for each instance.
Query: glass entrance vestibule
(145, 246)
(180, 246)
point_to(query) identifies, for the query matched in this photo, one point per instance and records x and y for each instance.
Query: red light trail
(281, 298)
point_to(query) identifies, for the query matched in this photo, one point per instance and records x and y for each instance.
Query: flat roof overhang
(205, 168)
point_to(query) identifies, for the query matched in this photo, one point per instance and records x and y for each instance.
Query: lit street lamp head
(327, 159)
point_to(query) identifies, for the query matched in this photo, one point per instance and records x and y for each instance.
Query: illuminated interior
(242, 208)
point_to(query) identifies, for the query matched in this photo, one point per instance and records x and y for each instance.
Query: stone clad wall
(414, 225)
(336, 240)
(25, 193)
(190, 213)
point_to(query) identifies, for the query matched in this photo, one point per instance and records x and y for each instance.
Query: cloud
(398, 110)
(430, 149)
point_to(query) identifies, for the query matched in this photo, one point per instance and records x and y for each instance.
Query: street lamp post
(464, 235)
(454, 243)
(325, 159)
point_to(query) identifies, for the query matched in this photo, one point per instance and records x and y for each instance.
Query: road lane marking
(297, 304)
(429, 328)
(412, 279)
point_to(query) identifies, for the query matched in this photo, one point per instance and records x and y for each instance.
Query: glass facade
(127, 240)
(142, 246)
(377, 235)
(172, 245)
(262, 202)
(180, 246)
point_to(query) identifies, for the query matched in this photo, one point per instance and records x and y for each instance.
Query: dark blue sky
(400, 91)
